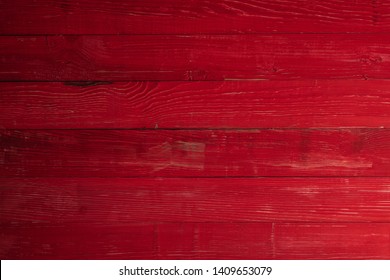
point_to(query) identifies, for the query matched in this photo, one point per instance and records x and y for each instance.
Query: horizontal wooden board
(102, 200)
(217, 57)
(232, 104)
(193, 153)
(196, 241)
(200, 16)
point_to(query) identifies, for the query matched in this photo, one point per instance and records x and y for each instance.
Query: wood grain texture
(102, 200)
(217, 57)
(194, 129)
(232, 104)
(190, 17)
(196, 241)
(193, 153)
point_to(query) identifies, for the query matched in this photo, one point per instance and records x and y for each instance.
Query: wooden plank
(248, 104)
(77, 241)
(200, 16)
(218, 57)
(196, 241)
(102, 200)
(194, 153)
(332, 241)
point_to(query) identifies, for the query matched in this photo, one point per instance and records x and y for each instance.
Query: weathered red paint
(194, 57)
(200, 105)
(197, 129)
(193, 17)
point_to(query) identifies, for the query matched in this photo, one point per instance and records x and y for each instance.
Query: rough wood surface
(125, 200)
(192, 153)
(196, 241)
(214, 57)
(190, 17)
(194, 129)
(229, 104)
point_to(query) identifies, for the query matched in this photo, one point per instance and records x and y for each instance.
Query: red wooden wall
(195, 129)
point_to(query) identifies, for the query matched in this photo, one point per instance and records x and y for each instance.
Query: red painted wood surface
(229, 104)
(192, 57)
(190, 17)
(194, 129)
(196, 241)
(97, 201)
(192, 153)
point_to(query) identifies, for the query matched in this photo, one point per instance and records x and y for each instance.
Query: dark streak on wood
(87, 83)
